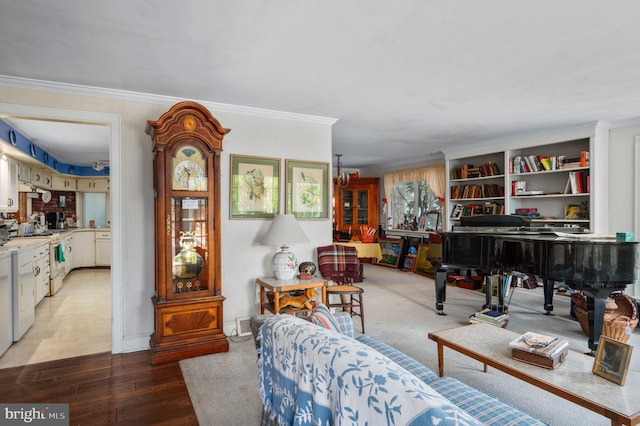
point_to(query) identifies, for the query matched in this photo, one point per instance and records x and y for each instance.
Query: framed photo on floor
(255, 187)
(612, 360)
(307, 194)
(391, 249)
(423, 265)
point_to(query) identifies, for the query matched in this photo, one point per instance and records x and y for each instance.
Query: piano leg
(441, 288)
(596, 300)
(548, 295)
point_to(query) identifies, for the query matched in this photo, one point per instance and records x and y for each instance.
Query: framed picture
(423, 265)
(456, 213)
(255, 187)
(612, 360)
(432, 221)
(307, 194)
(62, 201)
(390, 252)
(409, 262)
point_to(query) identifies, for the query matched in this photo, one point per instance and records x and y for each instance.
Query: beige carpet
(399, 308)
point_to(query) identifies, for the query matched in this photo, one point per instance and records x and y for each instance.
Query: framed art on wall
(255, 187)
(307, 193)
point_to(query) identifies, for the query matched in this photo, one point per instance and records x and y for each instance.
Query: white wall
(624, 184)
(253, 132)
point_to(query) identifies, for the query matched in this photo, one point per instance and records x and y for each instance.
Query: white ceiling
(405, 79)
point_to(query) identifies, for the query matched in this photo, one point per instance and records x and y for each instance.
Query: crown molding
(124, 95)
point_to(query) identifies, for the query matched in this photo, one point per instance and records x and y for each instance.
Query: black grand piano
(493, 243)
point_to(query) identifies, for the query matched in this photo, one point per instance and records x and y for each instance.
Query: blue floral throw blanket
(309, 375)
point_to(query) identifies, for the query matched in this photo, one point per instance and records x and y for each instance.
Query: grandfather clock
(187, 141)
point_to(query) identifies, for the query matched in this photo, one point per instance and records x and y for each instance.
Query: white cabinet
(103, 248)
(573, 192)
(42, 271)
(64, 183)
(41, 179)
(93, 184)
(8, 184)
(69, 253)
(24, 173)
(84, 245)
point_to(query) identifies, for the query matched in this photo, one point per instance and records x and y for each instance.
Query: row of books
(540, 163)
(477, 191)
(473, 209)
(578, 182)
(468, 171)
(539, 349)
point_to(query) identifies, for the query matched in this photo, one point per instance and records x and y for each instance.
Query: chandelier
(343, 177)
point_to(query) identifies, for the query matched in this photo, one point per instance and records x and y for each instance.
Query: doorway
(112, 121)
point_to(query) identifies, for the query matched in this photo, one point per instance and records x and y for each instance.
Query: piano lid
(509, 224)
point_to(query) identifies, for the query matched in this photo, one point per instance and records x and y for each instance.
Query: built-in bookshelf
(476, 184)
(555, 181)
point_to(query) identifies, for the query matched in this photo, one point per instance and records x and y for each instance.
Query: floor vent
(243, 326)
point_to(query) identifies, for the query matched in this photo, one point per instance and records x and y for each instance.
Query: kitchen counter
(35, 240)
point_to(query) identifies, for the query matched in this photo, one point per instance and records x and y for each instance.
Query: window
(95, 208)
(410, 201)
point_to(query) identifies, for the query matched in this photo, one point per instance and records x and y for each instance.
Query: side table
(282, 286)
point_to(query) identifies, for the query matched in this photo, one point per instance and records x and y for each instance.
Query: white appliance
(57, 261)
(24, 288)
(6, 308)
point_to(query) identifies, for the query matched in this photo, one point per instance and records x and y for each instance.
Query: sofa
(315, 372)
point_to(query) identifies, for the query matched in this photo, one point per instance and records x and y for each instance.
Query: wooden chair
(341, 265)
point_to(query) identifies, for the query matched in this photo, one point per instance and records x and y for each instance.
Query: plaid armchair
(340, 264)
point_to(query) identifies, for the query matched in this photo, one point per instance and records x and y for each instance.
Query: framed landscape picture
(390, 252)
(307, 194)
(423, 265)
(255, 187)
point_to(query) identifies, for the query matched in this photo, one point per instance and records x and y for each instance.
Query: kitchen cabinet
(93, 184)
(103, 248)
(8, 184)
(356, 205)
(84, 245)
(41, 178)
(24, 173)
(41, 271)
(6, 306)
(68, 244)
(64, 183)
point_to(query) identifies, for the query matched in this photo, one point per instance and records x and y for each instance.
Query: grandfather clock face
(189, 169)
(189, 220)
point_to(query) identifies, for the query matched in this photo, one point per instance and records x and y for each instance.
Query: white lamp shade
(284, 229)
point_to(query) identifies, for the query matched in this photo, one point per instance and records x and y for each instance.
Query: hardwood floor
(104, 389)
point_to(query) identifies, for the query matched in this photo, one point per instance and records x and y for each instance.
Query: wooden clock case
(188, 313)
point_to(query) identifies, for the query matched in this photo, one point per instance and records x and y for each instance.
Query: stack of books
(539, 349)
(489, 316)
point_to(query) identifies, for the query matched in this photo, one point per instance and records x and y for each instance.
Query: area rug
(400, 310)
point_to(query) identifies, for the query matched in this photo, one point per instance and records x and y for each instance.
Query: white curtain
(433, 176)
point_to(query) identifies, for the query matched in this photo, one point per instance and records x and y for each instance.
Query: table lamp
(284, 230)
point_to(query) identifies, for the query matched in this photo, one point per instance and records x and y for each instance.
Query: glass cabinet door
(347, 206)
(363, 207)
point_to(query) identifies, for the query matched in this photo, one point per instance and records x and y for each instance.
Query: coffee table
(572, 380)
